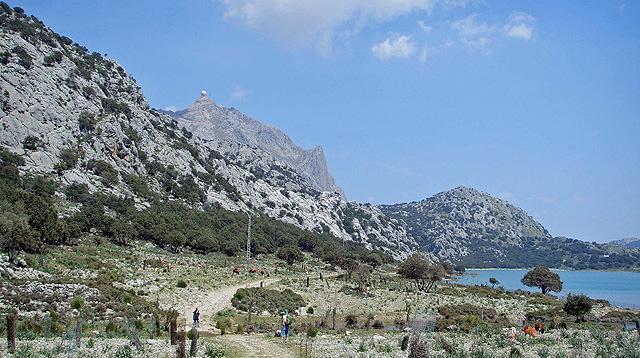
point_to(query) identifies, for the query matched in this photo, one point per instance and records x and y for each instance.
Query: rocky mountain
(79, 117)
(631, 242)
(467, 226)
(216, 123)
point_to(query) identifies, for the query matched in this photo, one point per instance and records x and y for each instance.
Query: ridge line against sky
(530, 101)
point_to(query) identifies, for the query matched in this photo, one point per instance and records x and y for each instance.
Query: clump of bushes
(53, 58)
(105, 170)
(466, 317)
(31, 142)
(24, 59)
(68, 159)
(112, 106)
(181, 284)
(267, 300)
(87, 122)
(351, 320)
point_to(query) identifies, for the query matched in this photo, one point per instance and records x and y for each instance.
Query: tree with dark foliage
(425, 274)
(544, 279)
(578, 306)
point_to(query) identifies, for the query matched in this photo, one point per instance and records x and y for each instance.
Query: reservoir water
(618, 287)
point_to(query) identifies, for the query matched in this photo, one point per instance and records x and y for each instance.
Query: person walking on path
(196, 318)
(285, 322)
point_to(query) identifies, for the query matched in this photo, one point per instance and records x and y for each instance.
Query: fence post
(181, 351)
(194, 342)
(333, 318)
(11, 332)
(173, 327)
(133, 334)
(78, 331)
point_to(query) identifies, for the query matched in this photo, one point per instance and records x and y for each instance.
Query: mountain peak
(203, 100)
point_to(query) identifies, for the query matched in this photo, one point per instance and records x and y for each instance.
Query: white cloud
(239, 93)
(316, 23)
(520, 26)
(400, 47)
(423, 26)
(474, 35)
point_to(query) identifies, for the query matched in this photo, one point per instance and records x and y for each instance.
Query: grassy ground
(119, 290)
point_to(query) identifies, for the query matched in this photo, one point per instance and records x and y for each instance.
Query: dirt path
(216, 300)
(257, 346)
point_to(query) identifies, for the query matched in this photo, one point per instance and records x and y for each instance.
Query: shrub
(351, 320)
(181, 284)
(105, 170)
(290, 254)
(53, 58)
(123, 352)
(112, 106)
(267, 300)
(132, 134)
(68, 159)
(77, 192)
(310, 310)
(31, 142)
(88, 92)
(87, 122)
(77, 303)
(24, 59)
(214, 352)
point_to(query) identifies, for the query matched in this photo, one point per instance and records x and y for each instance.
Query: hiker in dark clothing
(196, 317)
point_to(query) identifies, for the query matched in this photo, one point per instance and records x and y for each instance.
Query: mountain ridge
(213, 122)
(465, 225)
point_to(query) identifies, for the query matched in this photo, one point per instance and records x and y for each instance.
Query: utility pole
(249, 238)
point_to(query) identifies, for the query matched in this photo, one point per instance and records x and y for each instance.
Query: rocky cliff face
(216, 123)
(79, 117)
(468, 226)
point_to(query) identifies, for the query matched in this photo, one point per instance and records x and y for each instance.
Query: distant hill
(631, 242)
(467, 226)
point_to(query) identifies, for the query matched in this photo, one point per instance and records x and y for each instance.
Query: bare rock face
(80, 118)
(213, 122)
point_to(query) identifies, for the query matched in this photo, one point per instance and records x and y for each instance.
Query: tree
(493, 281)
(577, 305)
(290, 254)
(417, 268)
(544, 279)
(15, 233)
(363, 274)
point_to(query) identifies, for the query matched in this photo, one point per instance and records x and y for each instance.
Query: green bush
(268, 300)
(112, 106)
(24, 59)
(213, 351)
(53, 58)
(181, 284)
(105, 170)
(68, 159)
(87, 122)
(32, 142)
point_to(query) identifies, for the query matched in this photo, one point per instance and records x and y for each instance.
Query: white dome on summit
(203, 93)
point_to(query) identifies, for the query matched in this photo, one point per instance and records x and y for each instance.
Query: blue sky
(537, 102)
